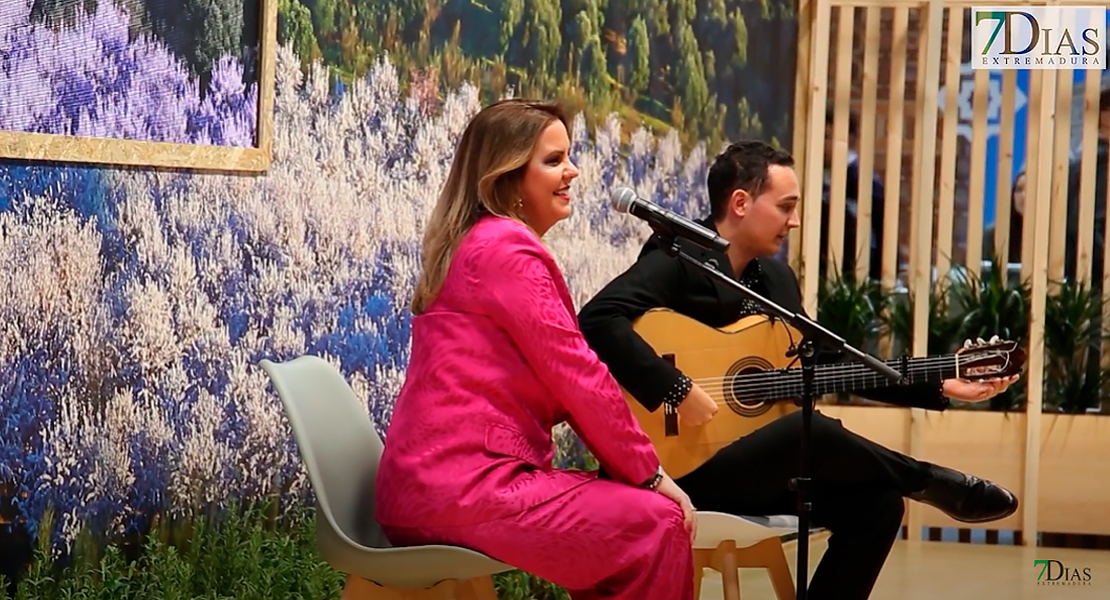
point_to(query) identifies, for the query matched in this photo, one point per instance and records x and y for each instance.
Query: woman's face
(1019, 194)
(545, 187)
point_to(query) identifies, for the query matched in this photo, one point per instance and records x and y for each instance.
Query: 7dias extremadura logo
(1054, 572)
(1038, 37)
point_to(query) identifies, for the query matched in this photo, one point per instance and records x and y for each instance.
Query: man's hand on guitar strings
(698, 407)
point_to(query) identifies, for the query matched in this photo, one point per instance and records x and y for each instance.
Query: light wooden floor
(946, 570)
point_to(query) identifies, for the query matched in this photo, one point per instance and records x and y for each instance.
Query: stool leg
(779, 572)
(703, 558)
(726, 563)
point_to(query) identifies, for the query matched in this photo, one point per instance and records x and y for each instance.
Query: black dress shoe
(966, 497)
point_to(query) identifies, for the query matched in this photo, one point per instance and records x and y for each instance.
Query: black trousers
(857, 493)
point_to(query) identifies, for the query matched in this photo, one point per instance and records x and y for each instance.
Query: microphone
(664, 222)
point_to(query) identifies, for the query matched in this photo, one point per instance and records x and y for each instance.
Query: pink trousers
(598, 540)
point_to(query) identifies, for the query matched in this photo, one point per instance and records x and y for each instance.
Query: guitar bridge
(670, 420)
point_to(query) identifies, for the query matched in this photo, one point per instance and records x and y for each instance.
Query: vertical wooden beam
(838, 168)
(1040, 177)
(946, 196)
(922, 242)
(1087, 170)
(1060, 148)
(802, 73)
(977, 180)
(814, 169)
(1033, 151)
(896, 121)
(868, 116)
(1005, 171)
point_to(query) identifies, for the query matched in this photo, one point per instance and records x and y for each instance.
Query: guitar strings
(743, 383)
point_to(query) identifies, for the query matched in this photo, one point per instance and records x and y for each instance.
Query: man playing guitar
(858, 485)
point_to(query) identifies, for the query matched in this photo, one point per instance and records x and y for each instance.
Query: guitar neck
(840, 377)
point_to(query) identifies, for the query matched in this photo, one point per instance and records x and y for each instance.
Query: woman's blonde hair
(485, 178)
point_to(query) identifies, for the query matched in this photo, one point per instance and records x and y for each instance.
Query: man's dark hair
(743, 165)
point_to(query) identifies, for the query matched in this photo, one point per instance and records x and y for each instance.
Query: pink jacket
(497, 360)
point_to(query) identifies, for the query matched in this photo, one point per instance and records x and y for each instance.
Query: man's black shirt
(658, 280)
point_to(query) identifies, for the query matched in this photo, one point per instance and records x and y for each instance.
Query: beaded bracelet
(678, 393)
(655, 480)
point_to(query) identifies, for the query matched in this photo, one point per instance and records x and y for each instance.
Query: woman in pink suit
(497, 361)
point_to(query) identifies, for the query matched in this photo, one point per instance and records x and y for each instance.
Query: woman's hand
(670, 489)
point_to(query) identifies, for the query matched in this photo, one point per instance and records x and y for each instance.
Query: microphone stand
(815, 338)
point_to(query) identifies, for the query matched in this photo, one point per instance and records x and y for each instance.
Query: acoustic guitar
(745, 368)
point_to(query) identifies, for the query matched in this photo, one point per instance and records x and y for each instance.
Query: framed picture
(161, 83)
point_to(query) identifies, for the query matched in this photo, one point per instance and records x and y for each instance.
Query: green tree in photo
(639, 50)
(295, 27)
(694, 65)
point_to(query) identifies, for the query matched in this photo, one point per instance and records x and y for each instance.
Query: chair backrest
(337, 441)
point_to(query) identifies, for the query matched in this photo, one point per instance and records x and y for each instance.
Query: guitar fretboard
(839, 377)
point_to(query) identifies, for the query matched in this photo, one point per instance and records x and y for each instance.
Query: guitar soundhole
(738, 393)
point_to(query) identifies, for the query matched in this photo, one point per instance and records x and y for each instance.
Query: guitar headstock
(989, 359)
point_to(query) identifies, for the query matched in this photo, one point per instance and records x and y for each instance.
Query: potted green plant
(1075, 381)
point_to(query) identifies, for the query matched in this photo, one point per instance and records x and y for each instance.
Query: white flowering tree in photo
(139, 302)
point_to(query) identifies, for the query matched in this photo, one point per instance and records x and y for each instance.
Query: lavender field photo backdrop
(138, 302)
(130, 69)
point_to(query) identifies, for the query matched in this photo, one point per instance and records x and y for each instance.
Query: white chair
(341, 450)
(727, 543)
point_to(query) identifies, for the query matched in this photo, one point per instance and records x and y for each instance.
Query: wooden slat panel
(894, 134)
(987, 444)
(1032, 173)
(1043, 244)
(801, 111)
(924, 198)
(1060, 147)
(980, 100)
(869, 101)
(1003, 185)
(947, 188)
(1041, 185)
(838, 168)
(1074, 485)
(1086, 182)
(811, 217)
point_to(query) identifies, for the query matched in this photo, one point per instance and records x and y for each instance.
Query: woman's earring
(519, 204)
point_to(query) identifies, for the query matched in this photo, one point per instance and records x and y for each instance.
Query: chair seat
(401, 566)
(717, 527)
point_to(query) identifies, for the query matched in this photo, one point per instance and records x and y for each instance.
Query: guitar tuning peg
(967, 343)
(980, 340)
(994, 338)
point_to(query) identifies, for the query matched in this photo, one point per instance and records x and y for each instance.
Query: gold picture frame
(141, 153)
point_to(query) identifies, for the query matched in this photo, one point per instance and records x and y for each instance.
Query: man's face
(768, 218)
